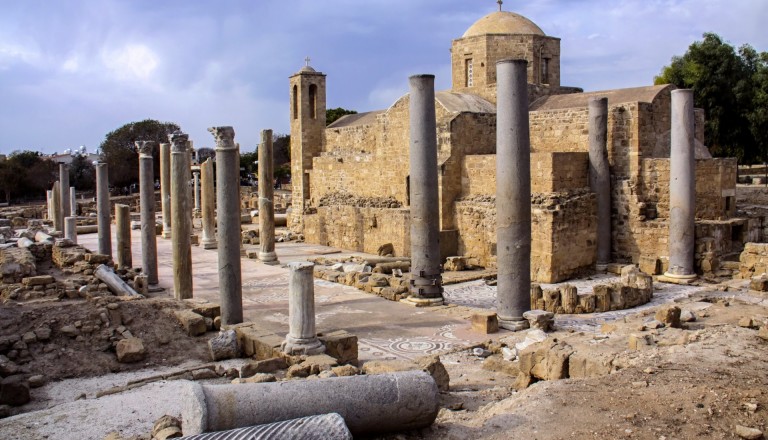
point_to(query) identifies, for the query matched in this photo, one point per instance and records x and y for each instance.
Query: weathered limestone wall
(715, 188)
(754, 260)
(358, 228)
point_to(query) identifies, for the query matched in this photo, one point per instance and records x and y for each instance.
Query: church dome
(503, 22)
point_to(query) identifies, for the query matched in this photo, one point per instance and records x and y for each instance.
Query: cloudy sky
(73, 70)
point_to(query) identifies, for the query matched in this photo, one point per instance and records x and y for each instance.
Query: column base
(210, 244)
(269, 258)
(676, 279)
(601, 267)
(514, 325)
(296, 346)
(423, 302)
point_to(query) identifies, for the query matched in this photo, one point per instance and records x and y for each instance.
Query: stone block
(205, 309)
(319, 362)
(569, 298)
(650, 265)
(193, 323)
(547, 360)
(436, 369)
(39, 280)
(14, 391)
(540, 319)
(584, 365)
(130, 350)
(264, 366)
(384, 367)
(455, 264)
(759, 283)
(224, 346)
(485, 322)
(340, 345)
(96, 259)
(498, 364)
(669, 315)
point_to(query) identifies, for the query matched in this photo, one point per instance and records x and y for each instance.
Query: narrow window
(545, 70)
(313, 101)
(295, 102)
(468, 68)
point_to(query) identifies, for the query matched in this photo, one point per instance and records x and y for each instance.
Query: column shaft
(102, 209)
(600, 176)
(228, 202)
(70, 229)
(123, 235)
(165, 187)
(208, 205)
(49, 201)
(302, 336)
(513, 194)
(181, 222)
(58, 220)
(196, 175)
(72, 201)
(147, 209)
(682, 187)
(64, 203)
(426, 279)
(266, 200)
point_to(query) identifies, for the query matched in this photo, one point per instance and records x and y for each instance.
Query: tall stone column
(147, 209)
(49, 203)
(600, 177)
(123, 236)
(208, 205)
(102, 209)
(70, 229)
(58, 220)
(301, 337)
(196, 175)
(228, 203)
(513, 194)
(267, 253)
(682, 188)
(426, 279)
(64, 203)
(165, 187)
(72, 201)
(181, 222)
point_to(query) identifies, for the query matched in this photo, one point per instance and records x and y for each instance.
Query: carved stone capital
(179, 142)
(145, 148)
(225, 137)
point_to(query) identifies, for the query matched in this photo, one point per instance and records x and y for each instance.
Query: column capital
(145, 148)
(179, 142)
(225, 138)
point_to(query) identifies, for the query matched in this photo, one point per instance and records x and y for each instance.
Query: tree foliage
(732, 88)
(119, 149)
(26, 175)
(332, 114)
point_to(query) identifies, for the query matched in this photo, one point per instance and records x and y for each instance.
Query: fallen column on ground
(426, 279)
(228, 202)
(147, 209)
(301, 337)
(322, 427)
(181, 216)
(115, 283)
(513, 194)
(369, 404)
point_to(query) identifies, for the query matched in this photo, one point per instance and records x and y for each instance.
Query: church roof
(464, 102)
(356, 119)
(616, 96)
(503, 22)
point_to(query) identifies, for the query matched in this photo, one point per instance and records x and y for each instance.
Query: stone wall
(754, 260)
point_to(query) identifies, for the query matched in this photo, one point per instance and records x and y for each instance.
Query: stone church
(351, 179)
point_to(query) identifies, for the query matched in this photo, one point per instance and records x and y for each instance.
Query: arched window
(313, 101)
(295, 102)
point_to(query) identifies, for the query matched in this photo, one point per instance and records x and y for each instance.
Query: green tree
(119, 149)
(82, 175)
(726, 84)
(332, 114)
(25, 174)
(281, 149)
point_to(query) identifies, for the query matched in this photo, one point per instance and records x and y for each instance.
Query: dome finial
(307, 59)
(500, 3)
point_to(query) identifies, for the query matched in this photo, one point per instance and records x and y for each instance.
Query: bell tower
(307, 113)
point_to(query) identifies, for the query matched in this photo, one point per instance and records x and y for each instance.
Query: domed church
(350, 180)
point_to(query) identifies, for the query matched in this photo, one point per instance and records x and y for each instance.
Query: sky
(71, 71)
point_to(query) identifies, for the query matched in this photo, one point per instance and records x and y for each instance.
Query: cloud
(131, 62)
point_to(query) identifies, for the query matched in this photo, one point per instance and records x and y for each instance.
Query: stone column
(267, 253)
(513, 194)
(180, 217)
(147, 209)
(426, 279)
(70, 229)
(72, 202)
(301, 337)
(165, 187)
(208, 205)
(228, 203)
(58, 220)
(196, 175)
(102, 209)
(64, 203)
(49, 203)
(123, 235)
(682, 188)
(600, 177)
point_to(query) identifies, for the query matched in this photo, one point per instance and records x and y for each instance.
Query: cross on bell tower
(306, 61)
(500, 3)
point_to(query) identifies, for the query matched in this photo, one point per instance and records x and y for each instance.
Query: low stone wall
(16, 264)
(362, 229)
(634, 289)
(754, 260)
(390, 287)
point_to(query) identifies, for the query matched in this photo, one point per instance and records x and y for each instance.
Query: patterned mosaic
(409, 348)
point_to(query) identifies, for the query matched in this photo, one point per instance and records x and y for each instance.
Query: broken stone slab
(368, 404)
(669, 315)
(320, 427)
(130, 350)
(193, 323)
(540, 319)
(24, 242)
(115, 283)
(759, 283)
(39, 280)
(340, 345)
(42, 237)
(388, 268)
(265, 366)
